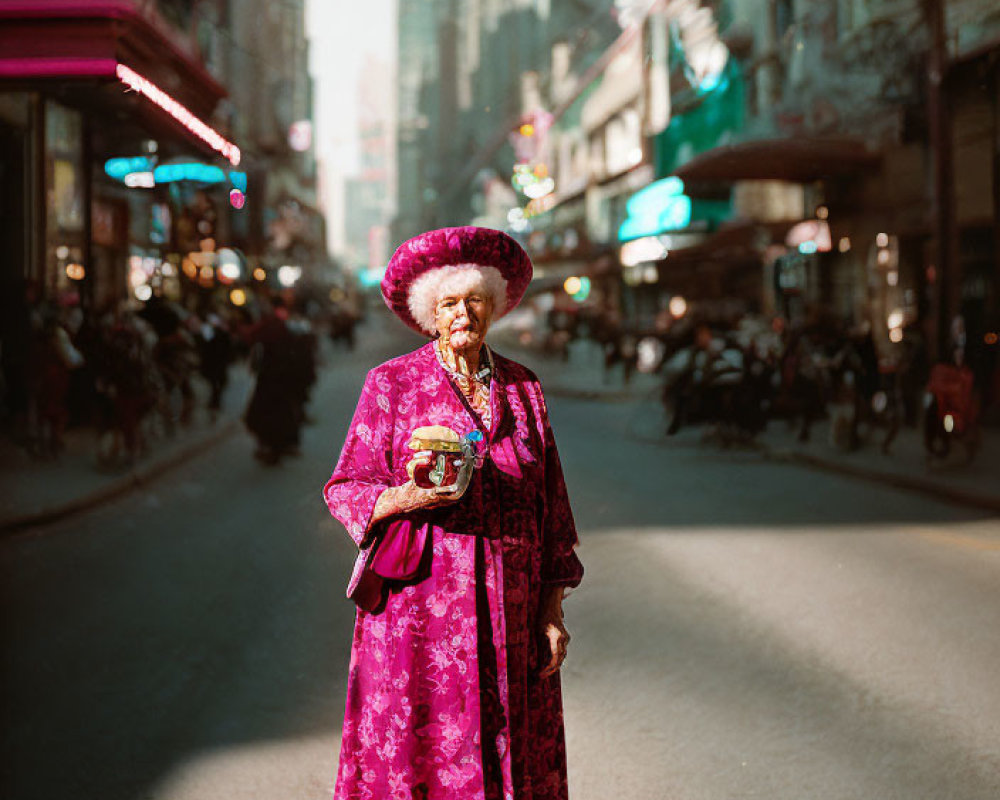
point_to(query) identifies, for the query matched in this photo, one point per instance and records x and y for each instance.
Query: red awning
(76, 39)
(798, 160)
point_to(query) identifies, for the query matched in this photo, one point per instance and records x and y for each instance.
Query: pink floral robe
(443, 695)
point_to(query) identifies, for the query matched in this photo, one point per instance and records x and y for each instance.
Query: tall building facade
(369, 197)
(461, 73)
(416, 75)
(795, 157)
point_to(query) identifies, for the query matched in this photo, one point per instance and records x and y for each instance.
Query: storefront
(975, 142)
(803, 198)
(662, 226)
(103, 149)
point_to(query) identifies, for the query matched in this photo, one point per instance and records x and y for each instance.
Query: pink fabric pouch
(400, 550)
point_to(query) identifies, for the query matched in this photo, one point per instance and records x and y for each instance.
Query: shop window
(64, 191)
(63, 144)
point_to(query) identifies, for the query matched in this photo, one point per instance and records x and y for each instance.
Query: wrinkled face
(461, 319)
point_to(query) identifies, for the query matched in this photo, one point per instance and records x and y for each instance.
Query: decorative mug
(452, 457)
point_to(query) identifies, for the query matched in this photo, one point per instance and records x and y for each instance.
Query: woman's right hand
(409, 497)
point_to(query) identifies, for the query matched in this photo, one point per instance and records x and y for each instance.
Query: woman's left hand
(551, 623)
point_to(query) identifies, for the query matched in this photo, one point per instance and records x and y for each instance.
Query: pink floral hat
(451, 247)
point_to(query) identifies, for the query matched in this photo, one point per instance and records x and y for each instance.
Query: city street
(745, 628)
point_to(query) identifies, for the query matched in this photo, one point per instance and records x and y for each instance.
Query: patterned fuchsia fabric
(447, 246)
(443, 695)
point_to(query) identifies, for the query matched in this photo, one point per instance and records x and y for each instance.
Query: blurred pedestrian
(176, 357)
(681, 391)
(342, 321)
(54, 357)
(274, 415)
(216, 349)
(128, 385)
(305, 352)
(459, 583)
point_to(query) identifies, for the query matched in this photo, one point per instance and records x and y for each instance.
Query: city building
(153, 148)
(792, 158)
(369, 197)
(463, 69)
(882, 173)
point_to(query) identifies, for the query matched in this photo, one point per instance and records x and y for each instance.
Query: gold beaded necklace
(474, 389)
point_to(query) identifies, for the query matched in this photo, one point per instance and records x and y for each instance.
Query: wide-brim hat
(448, 247)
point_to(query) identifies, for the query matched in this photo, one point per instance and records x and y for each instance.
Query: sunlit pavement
(745, 629)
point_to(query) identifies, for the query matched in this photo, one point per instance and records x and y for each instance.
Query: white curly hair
(427, 290)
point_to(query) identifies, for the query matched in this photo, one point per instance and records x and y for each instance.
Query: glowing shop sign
(139, 171)
(662, 206)
(140, 180)
(118, 168)
(201, 173)
(638, 251)
(185, 117)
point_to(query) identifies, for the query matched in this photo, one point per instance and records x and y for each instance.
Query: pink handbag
(400, 550)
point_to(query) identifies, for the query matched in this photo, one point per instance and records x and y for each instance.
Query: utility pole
(947, 278)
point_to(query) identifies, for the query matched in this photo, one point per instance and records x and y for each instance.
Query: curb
(908, 483)
(920, 485)
(135, 478)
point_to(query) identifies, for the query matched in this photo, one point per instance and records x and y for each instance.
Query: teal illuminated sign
(200, 173)
(118, 168)
(659, 208)
(121, 168)
(239, 181)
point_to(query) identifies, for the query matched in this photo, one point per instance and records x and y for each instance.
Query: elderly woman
(453, 691)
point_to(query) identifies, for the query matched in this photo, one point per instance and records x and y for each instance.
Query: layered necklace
(474, 388)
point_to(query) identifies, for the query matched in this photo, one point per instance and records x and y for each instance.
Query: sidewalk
(582, 375)
(35, 491)
(906, 466)
(976, 484)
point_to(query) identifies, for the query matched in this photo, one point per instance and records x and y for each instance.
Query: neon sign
(140, 180)
(140, 171)
(662, 206)
(119, 168)
(181, 113)
(202, 173)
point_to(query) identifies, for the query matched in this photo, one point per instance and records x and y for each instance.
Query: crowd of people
(738, 370)
(134, 374)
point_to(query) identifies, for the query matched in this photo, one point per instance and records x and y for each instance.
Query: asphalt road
(745, 629)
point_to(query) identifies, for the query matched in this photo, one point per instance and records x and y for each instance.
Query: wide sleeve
(560, 564)
(364, 469)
